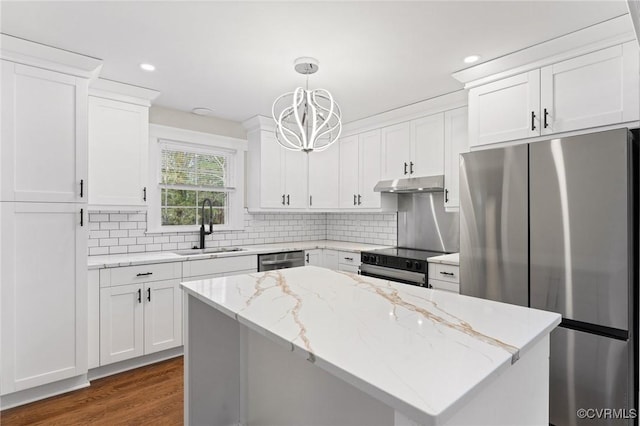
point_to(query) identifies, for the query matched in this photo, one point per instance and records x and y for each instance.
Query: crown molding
(42, 56)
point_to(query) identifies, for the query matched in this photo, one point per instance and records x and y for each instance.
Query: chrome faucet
(202, 231)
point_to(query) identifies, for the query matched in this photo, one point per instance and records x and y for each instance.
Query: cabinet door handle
(283, 199)
(81, 217)
(411, 168)
(533, 120)
(310, 200)
(447, 273)
(546, 114)
(307, 257)
(288, 199)
(81, 188)
(446, 195)
(144, 194)
(350, 259)
(139, 295)
(355, 199)
(143, 274)
(405, 168)
(359, 197)
(149, 294)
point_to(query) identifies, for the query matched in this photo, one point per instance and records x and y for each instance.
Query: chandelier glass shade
(306, 120)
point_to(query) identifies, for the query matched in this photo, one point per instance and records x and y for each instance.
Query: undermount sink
(191, 252)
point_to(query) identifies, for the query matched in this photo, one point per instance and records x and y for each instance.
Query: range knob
(418, 266)
(365, 257)
(409, 264)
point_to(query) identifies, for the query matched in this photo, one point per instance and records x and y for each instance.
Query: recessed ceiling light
(202, 111)
(471, 59)
(148, 67)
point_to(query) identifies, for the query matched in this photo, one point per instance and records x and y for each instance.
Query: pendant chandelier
(306, 120)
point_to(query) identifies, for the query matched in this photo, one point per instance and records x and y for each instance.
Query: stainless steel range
(424, 230)
(407, 266)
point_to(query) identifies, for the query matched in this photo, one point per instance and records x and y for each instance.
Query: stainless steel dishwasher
(289, 259)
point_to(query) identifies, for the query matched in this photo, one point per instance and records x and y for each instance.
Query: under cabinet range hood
(412, 184)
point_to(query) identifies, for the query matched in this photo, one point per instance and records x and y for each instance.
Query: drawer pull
(350, 259)
(144, 274)
(447, 273)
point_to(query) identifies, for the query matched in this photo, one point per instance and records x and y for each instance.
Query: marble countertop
(117, 260)
(447, 259)
(420, 351)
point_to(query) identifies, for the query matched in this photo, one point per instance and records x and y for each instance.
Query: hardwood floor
(151, 395)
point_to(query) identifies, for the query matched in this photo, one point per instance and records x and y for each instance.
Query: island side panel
(212, 366)
(286, 389)
(519, 396)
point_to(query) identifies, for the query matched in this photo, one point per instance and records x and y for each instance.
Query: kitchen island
(314, 346)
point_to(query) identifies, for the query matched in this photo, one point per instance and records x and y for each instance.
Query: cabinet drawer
(354, 269)
(448, 273)
(140, 274)
(349, 258)
(194, 268)
(444, 285)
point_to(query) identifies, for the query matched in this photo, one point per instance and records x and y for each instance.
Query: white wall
(186, 120)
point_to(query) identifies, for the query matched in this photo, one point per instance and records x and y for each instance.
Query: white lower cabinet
(193, 270)
(139, 319)
(444, 277)
(330, 259)
(314, 257)
(43, 293)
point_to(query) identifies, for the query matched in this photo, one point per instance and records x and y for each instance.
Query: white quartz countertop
(423, 352)
(447, 259)
(117, 260)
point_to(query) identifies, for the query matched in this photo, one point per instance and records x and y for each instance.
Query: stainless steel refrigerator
(554, 225)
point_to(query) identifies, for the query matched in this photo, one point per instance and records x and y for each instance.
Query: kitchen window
(187, 171)
(187, 178)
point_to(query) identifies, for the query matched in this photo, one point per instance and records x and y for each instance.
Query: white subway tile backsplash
(124, 232)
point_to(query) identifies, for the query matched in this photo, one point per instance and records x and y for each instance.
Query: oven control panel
(394, 262)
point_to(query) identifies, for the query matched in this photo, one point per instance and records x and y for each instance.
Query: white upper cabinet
(456, 142)
(349, 176)
(413, 148)
(586, 91)
(360, 170)
(44, 135)
(277, 176)
(324, 182)
(396, 150)
(506, 109)
(369, 169)
(427, 146)
(118, 145)
(295, 183)
(592, 90)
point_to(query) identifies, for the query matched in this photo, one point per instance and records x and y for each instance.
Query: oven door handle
(399, 275)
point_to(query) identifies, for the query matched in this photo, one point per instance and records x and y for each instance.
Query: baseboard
(130, 364)
(42, 392)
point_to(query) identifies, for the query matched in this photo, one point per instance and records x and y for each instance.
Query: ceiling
(237, 57)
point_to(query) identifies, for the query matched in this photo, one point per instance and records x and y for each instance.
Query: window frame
(204, 143)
